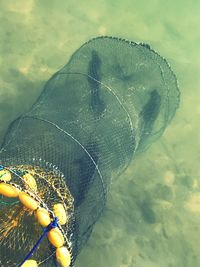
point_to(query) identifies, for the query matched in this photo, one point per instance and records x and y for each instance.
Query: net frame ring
(55, 236)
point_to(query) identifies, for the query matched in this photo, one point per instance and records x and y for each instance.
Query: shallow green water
(153, 212)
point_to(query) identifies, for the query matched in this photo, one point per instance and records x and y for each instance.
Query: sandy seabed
(153, 210)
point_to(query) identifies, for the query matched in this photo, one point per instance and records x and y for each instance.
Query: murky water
(153, 212)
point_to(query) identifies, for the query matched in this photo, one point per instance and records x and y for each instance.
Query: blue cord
(52, 225)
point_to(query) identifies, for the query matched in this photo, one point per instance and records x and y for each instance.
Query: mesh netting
(111, 101)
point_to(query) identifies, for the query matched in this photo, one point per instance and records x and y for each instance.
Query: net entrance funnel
(111, 101)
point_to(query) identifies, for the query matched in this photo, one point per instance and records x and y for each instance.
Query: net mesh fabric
(110, 102)
(19, 229)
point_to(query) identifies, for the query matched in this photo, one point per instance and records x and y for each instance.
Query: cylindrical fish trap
(111, 101)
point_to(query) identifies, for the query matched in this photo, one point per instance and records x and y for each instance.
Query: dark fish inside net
(108, 103)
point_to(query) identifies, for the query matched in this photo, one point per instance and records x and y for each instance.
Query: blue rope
(52, 225)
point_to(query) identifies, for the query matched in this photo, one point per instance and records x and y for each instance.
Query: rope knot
(52, 225)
